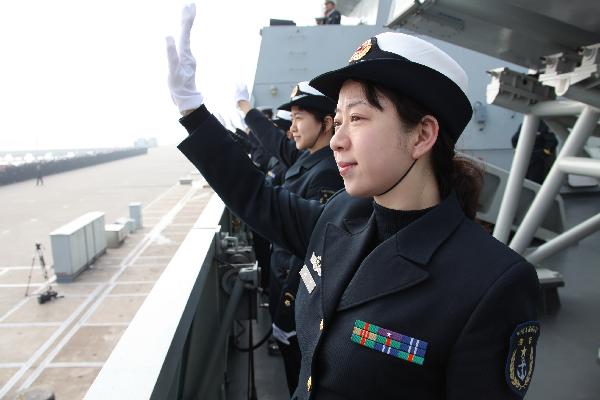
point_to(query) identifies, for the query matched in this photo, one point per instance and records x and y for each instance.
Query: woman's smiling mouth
(345, 167)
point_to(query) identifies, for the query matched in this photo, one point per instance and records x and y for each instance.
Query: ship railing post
(565, 240)
(510, 198)
(582, 129)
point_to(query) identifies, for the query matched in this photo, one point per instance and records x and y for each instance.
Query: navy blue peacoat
(440, 310)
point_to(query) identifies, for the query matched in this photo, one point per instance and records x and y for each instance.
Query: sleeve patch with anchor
(521, 356)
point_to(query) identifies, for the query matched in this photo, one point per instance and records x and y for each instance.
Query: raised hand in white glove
(241, 92)
(242, 98)
(182, 66)
(282, 335)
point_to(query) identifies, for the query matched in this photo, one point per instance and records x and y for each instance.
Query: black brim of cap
(431, 89)
(321, 103)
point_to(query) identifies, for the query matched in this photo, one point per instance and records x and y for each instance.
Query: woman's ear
(425, 136)
(328, 124)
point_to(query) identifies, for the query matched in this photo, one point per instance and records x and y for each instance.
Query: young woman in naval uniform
(311, 174)
(402, 295)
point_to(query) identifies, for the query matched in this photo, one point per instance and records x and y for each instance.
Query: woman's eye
(354, 118)
(336, 124)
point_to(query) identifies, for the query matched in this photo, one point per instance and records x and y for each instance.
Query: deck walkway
(65, 342)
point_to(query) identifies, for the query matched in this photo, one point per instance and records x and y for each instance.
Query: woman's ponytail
(458, 174)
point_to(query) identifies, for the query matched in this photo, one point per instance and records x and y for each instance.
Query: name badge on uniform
(316, 263)
(389, 342)
(521, 356)
(307, 278)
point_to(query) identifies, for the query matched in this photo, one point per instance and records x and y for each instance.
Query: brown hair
(452, 172)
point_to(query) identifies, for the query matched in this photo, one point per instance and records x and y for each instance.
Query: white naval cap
(411, 67)
(306, 96)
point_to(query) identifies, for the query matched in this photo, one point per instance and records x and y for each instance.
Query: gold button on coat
(321, 325)
(309, 383)
(288, 299)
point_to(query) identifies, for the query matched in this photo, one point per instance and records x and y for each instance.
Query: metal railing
(163, 352)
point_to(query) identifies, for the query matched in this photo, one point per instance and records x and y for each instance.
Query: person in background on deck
(270, 165)
(283, 121)
(39, 175)
(402, 293)
(311, 174)
(332, 16)
(267, 111)
(275, 169)
(543, 153)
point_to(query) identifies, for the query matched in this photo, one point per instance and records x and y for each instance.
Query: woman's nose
(339, 140)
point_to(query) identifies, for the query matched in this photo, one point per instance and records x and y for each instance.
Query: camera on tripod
(49, 294)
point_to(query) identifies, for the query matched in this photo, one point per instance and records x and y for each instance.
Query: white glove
(241, 92)
(281, 335)
(182, 66)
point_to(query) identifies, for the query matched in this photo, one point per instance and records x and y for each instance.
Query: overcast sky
(80, 74)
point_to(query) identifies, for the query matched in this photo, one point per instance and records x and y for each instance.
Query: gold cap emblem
(294, 91)
(361, 51)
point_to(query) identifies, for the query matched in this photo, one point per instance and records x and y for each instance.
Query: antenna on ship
(49, 294)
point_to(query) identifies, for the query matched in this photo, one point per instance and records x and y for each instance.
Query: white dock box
(129, 224)
(135, 213)
(77, 244)
(115, 234)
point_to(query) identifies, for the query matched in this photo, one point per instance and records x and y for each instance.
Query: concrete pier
(64, 342)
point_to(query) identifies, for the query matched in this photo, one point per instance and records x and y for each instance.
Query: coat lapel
(383, 272)
(294, 170)
(306, 161)
(343, 250)
(353, 274)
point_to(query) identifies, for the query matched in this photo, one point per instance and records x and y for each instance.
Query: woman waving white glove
(182, 66)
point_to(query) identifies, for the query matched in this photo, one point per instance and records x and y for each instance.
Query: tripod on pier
(49, 293)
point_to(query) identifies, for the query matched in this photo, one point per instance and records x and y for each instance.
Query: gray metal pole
(565, 239)
(557, 108)
(582, 129)
(582, 94)
(209, 371)
(518, 169)
(580, 166)
(383, 12)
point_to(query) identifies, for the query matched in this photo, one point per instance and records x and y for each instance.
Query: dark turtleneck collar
(390, 221)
